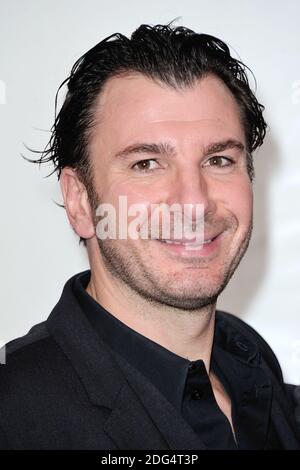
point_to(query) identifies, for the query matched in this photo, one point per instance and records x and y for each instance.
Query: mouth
(192, 247)
(189, 242)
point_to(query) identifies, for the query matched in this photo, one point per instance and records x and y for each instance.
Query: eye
(219, 161)
(145, 165)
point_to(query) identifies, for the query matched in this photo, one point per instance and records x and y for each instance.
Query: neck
(188, 334)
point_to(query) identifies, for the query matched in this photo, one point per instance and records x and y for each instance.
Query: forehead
(136, 107)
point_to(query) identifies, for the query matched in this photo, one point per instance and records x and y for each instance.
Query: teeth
(173, 242)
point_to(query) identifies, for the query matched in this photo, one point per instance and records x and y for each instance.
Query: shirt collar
(166, 370)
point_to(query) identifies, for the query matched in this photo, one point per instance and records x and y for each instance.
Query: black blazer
(63, 388)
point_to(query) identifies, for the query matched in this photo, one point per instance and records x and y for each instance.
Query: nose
(191, 186)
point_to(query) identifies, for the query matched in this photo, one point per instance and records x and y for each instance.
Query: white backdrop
(39, 42)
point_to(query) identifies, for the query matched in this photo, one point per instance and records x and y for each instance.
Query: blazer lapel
(140, 418)
(284, 421)
(173, 429)
(130, 427)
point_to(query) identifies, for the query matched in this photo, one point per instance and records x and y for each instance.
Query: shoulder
(29, 349)
(32, 362)
(36, 333)
(254, 337)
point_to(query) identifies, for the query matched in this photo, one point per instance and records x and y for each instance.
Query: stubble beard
(127, 266)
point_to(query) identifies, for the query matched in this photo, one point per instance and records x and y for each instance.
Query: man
(135, 354)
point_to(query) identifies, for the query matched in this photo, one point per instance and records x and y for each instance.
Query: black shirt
(186, 385)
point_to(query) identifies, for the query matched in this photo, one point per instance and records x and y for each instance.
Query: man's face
(174, 162)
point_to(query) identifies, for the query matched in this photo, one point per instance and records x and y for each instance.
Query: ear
(77, 204)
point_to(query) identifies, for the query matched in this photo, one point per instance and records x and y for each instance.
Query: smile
(174, 242)
(192, 248)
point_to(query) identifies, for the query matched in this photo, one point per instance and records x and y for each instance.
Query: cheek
(140, 196)
(129, 200)
(239, 201)
(143, 192)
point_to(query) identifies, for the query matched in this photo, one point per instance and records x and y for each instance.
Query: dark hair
(176, 56)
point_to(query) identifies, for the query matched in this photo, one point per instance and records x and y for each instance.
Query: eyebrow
(165, 148)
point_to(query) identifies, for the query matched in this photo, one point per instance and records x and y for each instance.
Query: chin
(189, 296)
(188, 302)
